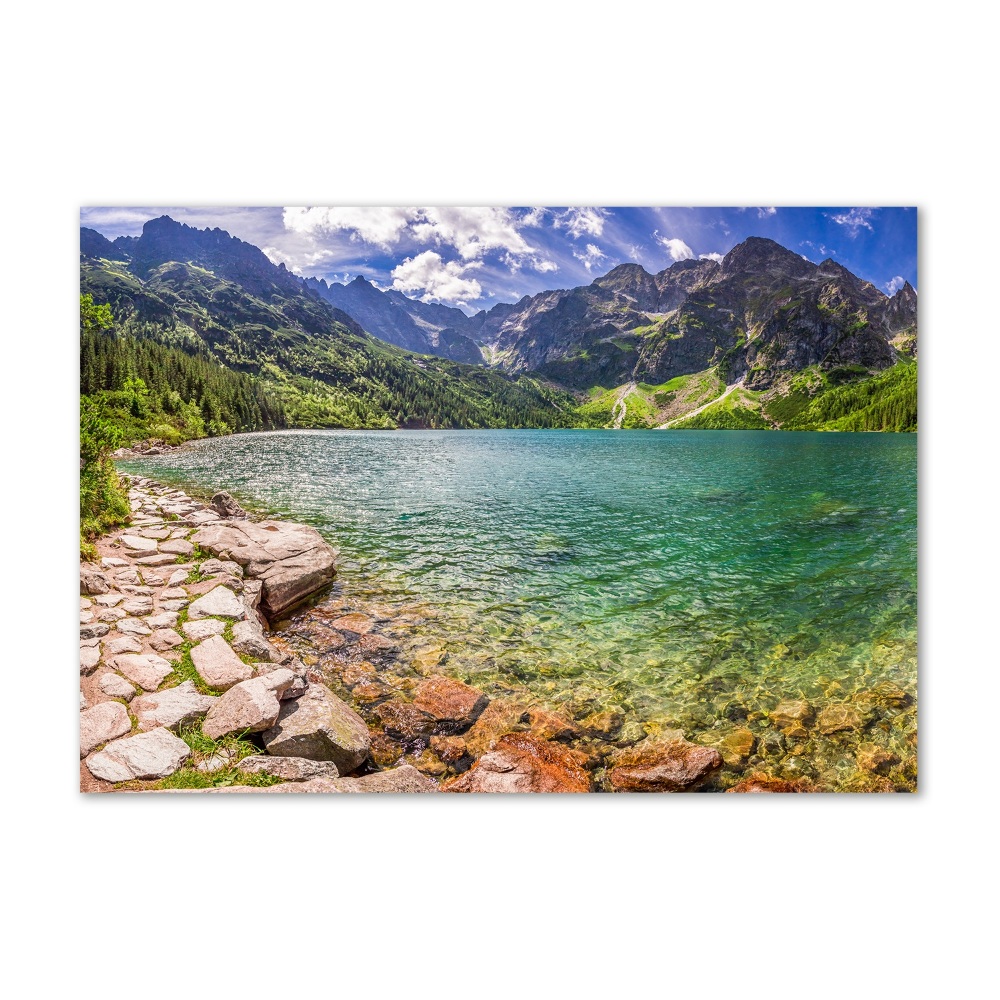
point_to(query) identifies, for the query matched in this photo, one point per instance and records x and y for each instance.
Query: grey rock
(178, 706)
(252, 591)
(298, 668)
(90, 656)
(110, 615)
(101, 723)
(178, 546)
(196, 631)
(127, 576)
(109, 600)
(83, 701)
(157, 533)
(155, 754)
(163, 639)
(319, 726)
(125, 644)
(135, 543)
(146, 669)
(251, 706)
(173, 605)
(116, 687)
(94, 630)
(86, 617)
(165, 619)
(152, 579)
(86, 603)
(292, 560)
(220, 602)
(113, 562)
(404, 778)
(163, 559)
(138, 605)
(133, 626)
(174, 593)
(218, 665)
(178, 576)
(248, 638)
(226, 506)
(93, 581)
(288, 768)
(210, 567)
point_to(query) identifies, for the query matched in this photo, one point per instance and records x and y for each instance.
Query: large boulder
(225, 505)
(319, 726)
(669, 765)
(218, 665)
(103, 722)
(291, 560)
(250, 706)
(521, 763)
(154, 754)
(175, 707)
(454, 706)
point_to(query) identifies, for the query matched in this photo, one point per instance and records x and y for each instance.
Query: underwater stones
(737, 746)
(839, 718)
(521, 763)
(319, 726)
(218, 665)
(501, 715)
(658, 765)
(450, 749)
(757, 783)
(102, 723)
(603, 724)
(794, 714)
(373, 644)
(155, 754)
(452, 705)
(404, 720)
(871, 757)
(354, 622)
(550, 725)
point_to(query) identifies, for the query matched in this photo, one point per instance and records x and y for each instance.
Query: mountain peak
(360, 280)
(759, 254)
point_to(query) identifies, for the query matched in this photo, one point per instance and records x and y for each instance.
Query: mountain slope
(205, 291)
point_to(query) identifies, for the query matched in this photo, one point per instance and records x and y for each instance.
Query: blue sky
(476, 257)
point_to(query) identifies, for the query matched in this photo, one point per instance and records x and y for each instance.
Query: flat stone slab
(101, 723)
(178, 576)
(218, 665)
(220, 602)
(94, 630)
(248, 707)
(116, 686)
(178, 546)
(155, 754)
(164, 619)
(135, 543)
(178, 706)
(163, 639)
(288, 768)
(196, 631)
(146, 669)
(133, 626)
(138, 605)
(291, 560)
(161, 559)
(319, 726)
(109, 600)
(125, 644)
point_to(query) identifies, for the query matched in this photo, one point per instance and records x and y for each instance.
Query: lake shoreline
(507, 739)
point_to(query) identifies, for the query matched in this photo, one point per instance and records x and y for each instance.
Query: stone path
(171, 637)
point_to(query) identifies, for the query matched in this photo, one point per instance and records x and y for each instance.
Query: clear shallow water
(687, 578)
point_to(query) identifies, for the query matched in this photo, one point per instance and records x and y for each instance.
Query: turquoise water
(686, 578)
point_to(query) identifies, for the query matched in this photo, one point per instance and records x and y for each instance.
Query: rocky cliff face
(761, 312)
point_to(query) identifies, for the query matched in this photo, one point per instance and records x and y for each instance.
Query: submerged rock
(452, 705)
(671, 765)
(521, 763)
(756, 783)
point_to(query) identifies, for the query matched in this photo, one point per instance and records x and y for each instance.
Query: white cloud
(535, 217)
(276, 256)
(634, 252)
(717, 257)
(580, 221)
(439, 281)
(543, 266)
(895, 285)
(591, 257)
(677, 249)
(763, 213)
(379, 226)
(855, 220)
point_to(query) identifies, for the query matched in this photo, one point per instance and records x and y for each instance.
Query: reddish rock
(548, 725)
(372, 644)
(521, 763)
(449, 748)
(603, 724)
(871, 757)
(757, 783)
(384, 750)
(839, 718)
(737, 746)
(502, 715)
(673, 765)
(454, 706)
(355, 622)
(404, 720)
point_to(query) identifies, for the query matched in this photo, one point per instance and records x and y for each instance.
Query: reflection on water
(691, 580)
